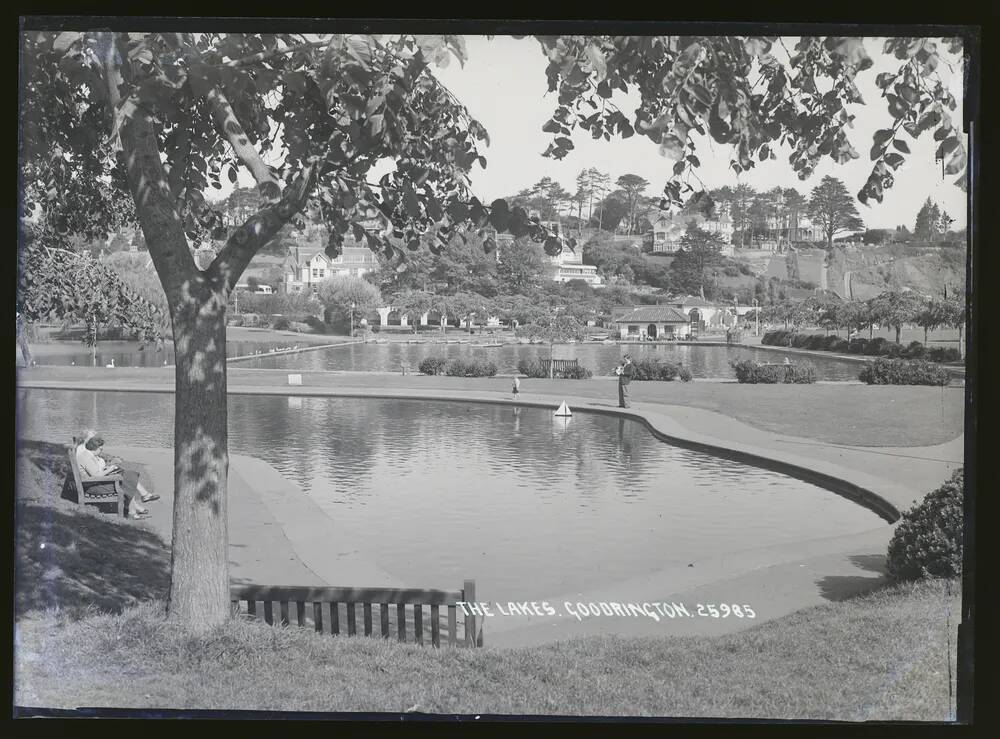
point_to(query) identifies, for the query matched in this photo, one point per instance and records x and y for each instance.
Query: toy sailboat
(563, 410)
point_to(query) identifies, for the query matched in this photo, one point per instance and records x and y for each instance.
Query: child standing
(516, 388)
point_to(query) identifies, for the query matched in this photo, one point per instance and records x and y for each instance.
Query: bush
(857, 346)
(914, 350)
(684, 374)
(282, 324)
(750, 372)
(315, 324)
(778, 337)
(903, 372)
(654, 369)
(236, 321)
(432, 365)
(470, 368)
(944, 354)
(877, 347)
(540, 368)
(927, 541)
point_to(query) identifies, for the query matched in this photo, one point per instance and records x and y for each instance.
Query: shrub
(914, 350)
(877, 347)
(944, 354)
(540, 368)
(315, 324)
(654, 369)
(236, 321)
(282, 324)
(903, 372)
(470, 368)
(857, 346)
(927, 541)
(750, 372)
(684, 374)
(778, 337)
(432, 365)
(800, 374)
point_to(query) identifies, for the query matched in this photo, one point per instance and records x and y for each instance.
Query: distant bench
(564, 364)
(329, 603)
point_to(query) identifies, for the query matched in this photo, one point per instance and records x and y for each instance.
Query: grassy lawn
(95, 635)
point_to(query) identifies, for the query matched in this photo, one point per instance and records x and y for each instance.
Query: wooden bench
(329, 603)
(85, 492)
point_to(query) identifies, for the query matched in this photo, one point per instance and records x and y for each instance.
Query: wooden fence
(562, 364)
(332, 610)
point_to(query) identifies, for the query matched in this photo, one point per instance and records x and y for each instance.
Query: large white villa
(307, 273)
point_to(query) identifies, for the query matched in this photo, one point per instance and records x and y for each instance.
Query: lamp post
(352, 321)
(756, 318)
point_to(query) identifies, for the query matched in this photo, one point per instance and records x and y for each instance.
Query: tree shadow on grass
(844, 587)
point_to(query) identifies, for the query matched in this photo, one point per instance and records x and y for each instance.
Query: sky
(504, 87)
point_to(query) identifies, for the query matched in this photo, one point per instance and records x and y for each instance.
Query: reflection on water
(130, 353)
(601, 359)
(530, 505)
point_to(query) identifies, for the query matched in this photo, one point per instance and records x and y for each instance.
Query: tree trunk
(22, 342)
(898, 328)
(199, 587)
(925, 336)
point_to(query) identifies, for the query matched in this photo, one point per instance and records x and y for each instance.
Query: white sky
(503, 85)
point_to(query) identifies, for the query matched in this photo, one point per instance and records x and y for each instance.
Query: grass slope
(94, 634)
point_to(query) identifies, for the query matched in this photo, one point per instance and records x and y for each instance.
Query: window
(633, 329)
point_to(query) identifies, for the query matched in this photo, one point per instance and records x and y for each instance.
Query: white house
(568, 265)
(355, 261)
(668, 231)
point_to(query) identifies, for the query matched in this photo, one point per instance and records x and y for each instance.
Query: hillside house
(653, 322)
(355, 261)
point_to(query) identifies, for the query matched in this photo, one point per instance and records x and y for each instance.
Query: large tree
(521, 265)
(832, 208)
(700, 251)
(928, 223)
(894, 309)
(633, 186)
(309, 116)
(347, 299)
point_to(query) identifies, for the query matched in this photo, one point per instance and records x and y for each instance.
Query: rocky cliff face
(866, 272)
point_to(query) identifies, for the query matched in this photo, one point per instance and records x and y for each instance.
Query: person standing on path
(624, 372)
(515, 388)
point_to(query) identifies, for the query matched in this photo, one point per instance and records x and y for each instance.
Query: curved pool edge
(878, 494)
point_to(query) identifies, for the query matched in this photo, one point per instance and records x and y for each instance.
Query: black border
(887, 25)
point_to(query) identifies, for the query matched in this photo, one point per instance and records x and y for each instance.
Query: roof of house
(694, 301)
(653, 314)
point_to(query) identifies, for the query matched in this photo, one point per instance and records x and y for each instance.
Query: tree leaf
(901, 146)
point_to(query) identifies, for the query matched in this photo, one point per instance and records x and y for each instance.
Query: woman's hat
(85, 436)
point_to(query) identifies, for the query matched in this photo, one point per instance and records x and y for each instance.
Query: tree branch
(247, 240)
(229, 127)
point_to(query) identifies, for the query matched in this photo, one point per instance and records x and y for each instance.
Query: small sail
(563, 410)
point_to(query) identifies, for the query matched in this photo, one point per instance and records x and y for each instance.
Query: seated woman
(92, 464)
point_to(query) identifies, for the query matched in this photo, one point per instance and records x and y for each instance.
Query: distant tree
(933, 314)
(136, 271)
(611, 211)
(555, 328)
(854, 315)
(347, 298)
(700, 250)
(633, 186)
(521, 264)
(877, 236)
(832, 208)
(741, 205)
(928, 224)
(895, 309)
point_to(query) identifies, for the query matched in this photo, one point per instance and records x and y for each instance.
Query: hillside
(863, 272)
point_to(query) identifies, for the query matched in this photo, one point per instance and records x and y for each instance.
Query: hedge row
(878, 347)
(901, 372)
(457, 367)
(750, 372)
(656, 369)
(540, 368)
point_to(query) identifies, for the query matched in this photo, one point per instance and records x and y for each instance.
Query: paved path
(279, 536)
